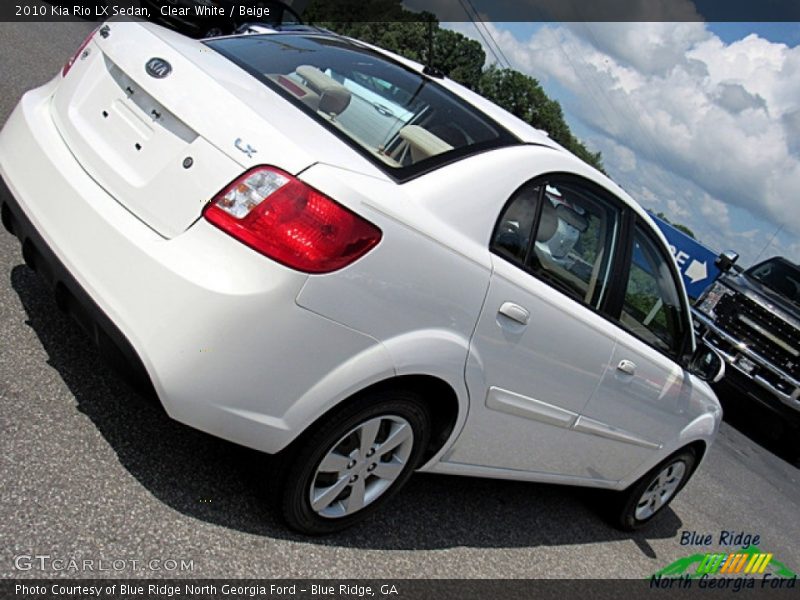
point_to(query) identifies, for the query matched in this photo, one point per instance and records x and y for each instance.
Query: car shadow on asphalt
(764, 427)
(224, 484)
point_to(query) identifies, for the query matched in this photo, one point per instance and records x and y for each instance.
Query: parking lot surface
(92, 471)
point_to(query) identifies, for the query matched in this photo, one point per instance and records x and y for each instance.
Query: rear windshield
(402, 121)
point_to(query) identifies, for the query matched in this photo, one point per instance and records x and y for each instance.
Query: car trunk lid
(163, 143)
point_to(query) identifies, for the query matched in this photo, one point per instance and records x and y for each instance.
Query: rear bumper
(70, 296)
(210, 324)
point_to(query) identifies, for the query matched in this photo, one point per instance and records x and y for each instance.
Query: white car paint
(254, 352)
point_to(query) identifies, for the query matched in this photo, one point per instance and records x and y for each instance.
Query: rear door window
(652, 308)
(563, 231)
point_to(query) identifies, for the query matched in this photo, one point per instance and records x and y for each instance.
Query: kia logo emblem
(158, 68)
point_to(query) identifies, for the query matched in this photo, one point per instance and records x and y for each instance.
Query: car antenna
(429, 69)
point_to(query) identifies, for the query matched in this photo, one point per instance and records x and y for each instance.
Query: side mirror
(726, 260)
(707, 364)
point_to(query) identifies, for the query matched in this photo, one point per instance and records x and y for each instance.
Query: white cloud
(650, 48)
(623, 157)
(734, 98)
(713, 209)
(724, 118)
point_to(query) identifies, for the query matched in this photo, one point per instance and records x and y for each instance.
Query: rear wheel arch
(358, 454)
(439, 396)
(655, 486)
(441, 400)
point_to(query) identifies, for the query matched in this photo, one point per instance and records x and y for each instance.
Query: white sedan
(435, 286)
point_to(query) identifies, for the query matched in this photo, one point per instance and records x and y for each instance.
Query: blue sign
(695, 261)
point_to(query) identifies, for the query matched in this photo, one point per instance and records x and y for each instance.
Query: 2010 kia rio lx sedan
(309, 246)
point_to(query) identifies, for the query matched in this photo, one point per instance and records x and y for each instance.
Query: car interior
(404, 144)
(569, 249)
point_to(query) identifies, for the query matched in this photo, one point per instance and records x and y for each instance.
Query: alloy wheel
(660, 490)
(361, 466)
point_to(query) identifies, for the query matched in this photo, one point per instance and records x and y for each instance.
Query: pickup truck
(752, 318)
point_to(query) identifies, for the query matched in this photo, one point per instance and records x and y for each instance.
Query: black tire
(392, 410)
(624, 510)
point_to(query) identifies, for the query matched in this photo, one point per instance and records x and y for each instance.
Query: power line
(483, 37)
(667, 179)
(769, 243)
(496, 43)
(475, 20)
(488, 32)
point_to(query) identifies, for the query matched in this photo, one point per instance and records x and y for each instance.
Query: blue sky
(698, 120)
(786, 33)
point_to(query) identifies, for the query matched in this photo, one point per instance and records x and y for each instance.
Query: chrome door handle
(627, 366)
(515, 312)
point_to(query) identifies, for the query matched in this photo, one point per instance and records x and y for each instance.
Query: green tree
(678, 226)
(458, 57)
(684, 229)
(522, 96)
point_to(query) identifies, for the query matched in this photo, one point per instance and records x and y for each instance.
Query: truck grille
(764, 332)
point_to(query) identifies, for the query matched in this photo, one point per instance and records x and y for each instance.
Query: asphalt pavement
(92, 471)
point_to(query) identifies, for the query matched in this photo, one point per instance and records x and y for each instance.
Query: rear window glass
(402, 121)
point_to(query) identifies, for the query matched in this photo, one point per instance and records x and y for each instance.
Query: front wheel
(355, 461)
(654, 491)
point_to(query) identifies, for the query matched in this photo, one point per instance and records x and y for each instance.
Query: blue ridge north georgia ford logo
(158, 68)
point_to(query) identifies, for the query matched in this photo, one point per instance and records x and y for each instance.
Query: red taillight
(75, 56)
(290, 222)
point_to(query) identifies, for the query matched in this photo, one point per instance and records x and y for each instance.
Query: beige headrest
(422, 142)
(334, 97)
(548, 222)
